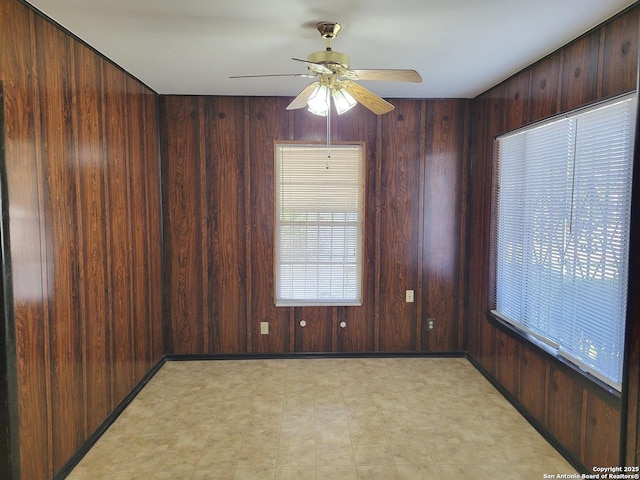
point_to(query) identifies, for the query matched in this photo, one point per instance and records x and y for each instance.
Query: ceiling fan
(337, 81)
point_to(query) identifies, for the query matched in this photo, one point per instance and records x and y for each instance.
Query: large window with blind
(562, 216)
(319, 214)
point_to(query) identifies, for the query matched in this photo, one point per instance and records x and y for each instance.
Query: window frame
(517, 330)
(362, 243)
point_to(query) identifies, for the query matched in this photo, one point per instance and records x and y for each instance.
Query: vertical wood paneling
(77, 139)
(267, 124)
(543, 96)
(564, 410)
(62, 262)
(400, 187)
(139, 230)
(180, 131)
(316, 336)
(120, 232)
(226, 224)
(358, 334)
(620, 54)
(91, 209)
(20, 109)
(507, 352)
(475, 252)
(602, 432)
(532, 379)
(580, 72)
(516, 105)
(154, 221)
(239, 152)
(442, 208)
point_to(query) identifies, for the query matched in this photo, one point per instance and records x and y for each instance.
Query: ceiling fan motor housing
(328, 57)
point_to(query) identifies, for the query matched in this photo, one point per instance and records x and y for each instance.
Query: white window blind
(562, 233)
(319, 224)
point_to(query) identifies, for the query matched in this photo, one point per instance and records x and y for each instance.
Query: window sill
(318, 304)
(548, 353)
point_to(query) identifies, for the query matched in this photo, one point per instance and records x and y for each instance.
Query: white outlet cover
(409, 296)
(264, 328)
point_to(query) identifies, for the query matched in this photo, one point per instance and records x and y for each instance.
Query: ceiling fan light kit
(337, 81)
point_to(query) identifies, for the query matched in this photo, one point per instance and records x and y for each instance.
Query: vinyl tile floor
(320, 419)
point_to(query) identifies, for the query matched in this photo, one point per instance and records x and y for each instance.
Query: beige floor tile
(411, 454)
(336, 473)
(368, 436)
(297, 436)
(172, 475)
(131, 476)
(295, 473)
(373, 455)
(178, 461)
(262, 435)
(478, 472)
(336, 455)
(257, 456)
(139, 462)
(378, 472)
(296, 456)
(467, 454)
(217, 458)
(215, 474)
(332, 436)
(255, 473)
(418, 472)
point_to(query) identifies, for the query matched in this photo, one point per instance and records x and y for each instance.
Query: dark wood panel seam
(600, 74)
(462, 320)
(421, 195)
(108, 248)
(204, 123)
(82, 290)
(583, 423)
(160, 228)
(43, 247)
(378, 210)
(130, 259)
(247, 222)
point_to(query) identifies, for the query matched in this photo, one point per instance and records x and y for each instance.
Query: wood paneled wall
(85, 232)
(601, 64)
(218, 204)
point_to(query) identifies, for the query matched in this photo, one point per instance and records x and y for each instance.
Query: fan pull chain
(328, 138)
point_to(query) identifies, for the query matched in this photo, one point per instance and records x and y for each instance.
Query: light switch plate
(409, 296)
(264, 328)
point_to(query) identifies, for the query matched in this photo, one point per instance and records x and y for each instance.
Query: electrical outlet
(264, 328)
(431, 323)
(408, 296)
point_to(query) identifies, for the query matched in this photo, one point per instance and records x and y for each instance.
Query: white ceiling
(460, 47)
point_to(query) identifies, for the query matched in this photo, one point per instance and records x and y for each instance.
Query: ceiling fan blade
(368, 99)
(314, 67)
(389, 75)
(301, 100)
(305, 75)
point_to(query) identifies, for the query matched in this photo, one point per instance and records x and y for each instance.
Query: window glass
(563, 202)
(319, 224)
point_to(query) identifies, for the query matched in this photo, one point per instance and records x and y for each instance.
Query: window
(319, 224)
(562, 216)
